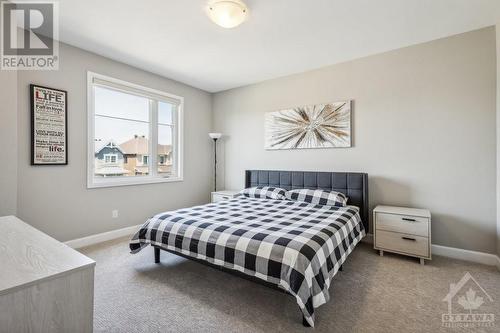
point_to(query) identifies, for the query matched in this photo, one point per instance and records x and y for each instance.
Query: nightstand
(402, 230)
(223, 195)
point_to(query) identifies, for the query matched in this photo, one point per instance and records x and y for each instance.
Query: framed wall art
(313, 126)
(49, 126)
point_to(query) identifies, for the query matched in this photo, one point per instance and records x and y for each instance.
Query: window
(110, 158)
(131, 130)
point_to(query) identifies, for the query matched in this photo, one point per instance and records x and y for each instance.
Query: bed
(293, 246)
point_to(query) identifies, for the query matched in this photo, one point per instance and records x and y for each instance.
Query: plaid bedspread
(295, 245)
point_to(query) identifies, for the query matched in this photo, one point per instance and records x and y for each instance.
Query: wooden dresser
(45, 286)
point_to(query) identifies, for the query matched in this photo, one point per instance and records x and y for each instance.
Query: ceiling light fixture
(227, 13)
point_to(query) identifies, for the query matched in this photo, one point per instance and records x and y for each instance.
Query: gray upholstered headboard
(352, 184)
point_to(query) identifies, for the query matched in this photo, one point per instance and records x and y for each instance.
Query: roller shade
(135, 90)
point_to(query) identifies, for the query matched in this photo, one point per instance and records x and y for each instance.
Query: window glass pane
(113, 103)
(165, 152)
(165, 113)
(124, 125)
(120, 147)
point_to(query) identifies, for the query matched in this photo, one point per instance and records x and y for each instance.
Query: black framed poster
(49, 126)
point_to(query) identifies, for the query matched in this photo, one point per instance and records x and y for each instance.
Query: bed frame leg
(157, 255)
(304, 322)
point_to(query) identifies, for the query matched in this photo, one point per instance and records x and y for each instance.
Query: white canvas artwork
(312, 126)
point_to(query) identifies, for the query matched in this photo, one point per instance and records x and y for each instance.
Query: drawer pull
(409, 220)
(409, 238)
(225, 198)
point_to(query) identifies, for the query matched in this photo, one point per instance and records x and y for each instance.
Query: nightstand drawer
(223, 195)
(408, 244)
(406, 224)
(220, 197)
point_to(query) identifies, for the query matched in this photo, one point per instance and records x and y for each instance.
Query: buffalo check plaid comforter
(295, 245)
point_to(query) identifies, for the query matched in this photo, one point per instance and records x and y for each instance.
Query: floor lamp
(215, 137)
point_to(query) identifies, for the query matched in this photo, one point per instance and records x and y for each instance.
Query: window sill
(91, 183)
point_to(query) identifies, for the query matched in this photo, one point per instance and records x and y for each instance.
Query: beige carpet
(373, 294)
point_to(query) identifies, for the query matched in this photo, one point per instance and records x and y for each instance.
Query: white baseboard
(102, 237)
(456, 253)
(445, 251)
(467, 255)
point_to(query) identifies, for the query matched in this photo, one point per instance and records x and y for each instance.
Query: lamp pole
(214, 137)
(215, 165)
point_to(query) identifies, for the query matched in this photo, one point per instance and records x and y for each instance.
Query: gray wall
(8, 142)
(55, 198)
(423, 129)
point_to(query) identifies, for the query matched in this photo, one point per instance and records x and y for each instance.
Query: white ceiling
(175, 39)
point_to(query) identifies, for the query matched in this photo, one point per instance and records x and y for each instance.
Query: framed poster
(49, 126)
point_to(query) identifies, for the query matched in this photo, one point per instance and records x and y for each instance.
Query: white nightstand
(402, 230)
(223, 195)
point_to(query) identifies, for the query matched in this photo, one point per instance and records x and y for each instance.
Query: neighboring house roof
(145, 169)
(111, 144)
(111, 170)
(164, 168)
(164, 149)
(139, 145)
(142, 169)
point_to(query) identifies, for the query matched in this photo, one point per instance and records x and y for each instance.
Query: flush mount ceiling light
(227, 13)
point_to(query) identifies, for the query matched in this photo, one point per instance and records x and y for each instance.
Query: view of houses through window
(123, 126)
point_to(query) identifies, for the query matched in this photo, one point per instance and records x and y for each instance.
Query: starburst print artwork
(313, 126)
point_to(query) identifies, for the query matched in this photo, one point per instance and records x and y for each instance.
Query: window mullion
(153, 145)
(175, 151)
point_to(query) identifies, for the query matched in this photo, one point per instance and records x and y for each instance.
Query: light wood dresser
(403, 230)
(45, 286)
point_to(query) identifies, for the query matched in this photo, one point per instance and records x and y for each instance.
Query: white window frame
(94, 79)
(110, 158)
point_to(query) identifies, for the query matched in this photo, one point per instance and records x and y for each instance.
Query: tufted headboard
(352, 184)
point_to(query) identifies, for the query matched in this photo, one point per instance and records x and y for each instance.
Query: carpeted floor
(373, 294)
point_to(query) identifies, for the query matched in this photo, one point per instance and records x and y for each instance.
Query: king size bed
(276, 233)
